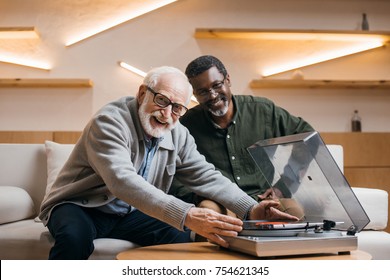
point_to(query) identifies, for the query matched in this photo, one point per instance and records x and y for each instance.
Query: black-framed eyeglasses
(162, 101)
(215, 88)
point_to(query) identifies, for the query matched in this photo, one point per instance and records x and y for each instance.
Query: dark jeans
(74, 228)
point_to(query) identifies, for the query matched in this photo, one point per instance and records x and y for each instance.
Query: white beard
(220, 112)
(145, 119)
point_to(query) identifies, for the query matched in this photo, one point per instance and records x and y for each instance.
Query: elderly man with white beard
(116, 180)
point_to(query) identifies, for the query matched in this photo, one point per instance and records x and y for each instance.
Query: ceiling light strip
(132, 68)
(118, 21)
(365, 46)
(286, 34)
(25, 62)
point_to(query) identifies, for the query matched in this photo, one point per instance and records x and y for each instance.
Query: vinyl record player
(302, 174)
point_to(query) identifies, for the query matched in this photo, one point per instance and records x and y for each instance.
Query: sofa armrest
(337, 153)
(375, 203)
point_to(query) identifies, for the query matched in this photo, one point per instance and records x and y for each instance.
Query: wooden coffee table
(208, 251)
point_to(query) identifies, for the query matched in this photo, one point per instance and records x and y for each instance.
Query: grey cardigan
(104, 164)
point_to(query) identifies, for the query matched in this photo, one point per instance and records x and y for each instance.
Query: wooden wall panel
(33, 137)
(362, 149)
(66, 137)
(366, 158)
(369, 177)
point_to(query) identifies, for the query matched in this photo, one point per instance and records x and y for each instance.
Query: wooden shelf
(315, 46)
(49, 83)
(18, 33)
(347, 84)
(286, 34)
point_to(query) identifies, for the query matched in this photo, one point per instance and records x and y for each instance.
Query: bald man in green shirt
(225, 125)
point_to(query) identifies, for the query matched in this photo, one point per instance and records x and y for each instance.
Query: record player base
(208, 251)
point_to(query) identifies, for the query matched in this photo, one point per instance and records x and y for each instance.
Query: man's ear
(228, 80)
(141, 94)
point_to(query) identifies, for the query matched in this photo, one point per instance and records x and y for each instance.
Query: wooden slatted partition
(366, 158)
(33, 137)
(66, 137)
(39, 137)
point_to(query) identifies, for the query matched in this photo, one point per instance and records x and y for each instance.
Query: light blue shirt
(120, 207)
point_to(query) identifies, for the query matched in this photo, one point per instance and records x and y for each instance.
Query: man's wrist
(248, 213)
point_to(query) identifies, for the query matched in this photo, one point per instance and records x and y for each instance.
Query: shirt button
(105, 197)
(228, 136)
(84, 201)
(238, 178)
(233, 157)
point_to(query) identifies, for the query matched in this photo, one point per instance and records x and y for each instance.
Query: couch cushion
(375, 203)
(29, 240)
(24, 240)
(15, 204)
(57, 154)
(337, 153)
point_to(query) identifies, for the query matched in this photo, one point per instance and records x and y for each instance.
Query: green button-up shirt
(255, 118)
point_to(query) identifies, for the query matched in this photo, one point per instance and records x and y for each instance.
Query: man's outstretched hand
(212, 225)
(267, 210)
(215, 226)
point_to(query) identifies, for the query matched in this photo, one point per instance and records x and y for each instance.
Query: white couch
(26, 170)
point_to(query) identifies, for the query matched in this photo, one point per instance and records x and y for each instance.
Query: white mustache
(217, 99)
(160, 117)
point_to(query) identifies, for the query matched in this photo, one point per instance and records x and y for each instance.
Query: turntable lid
(300, 168)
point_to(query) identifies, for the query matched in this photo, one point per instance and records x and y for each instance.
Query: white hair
(152, 77)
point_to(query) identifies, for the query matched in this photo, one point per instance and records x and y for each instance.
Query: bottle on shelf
(365, 22)
(356, 122)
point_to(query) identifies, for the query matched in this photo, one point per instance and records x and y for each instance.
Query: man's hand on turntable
(271, 193)
(212, 225)
(267, 210)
